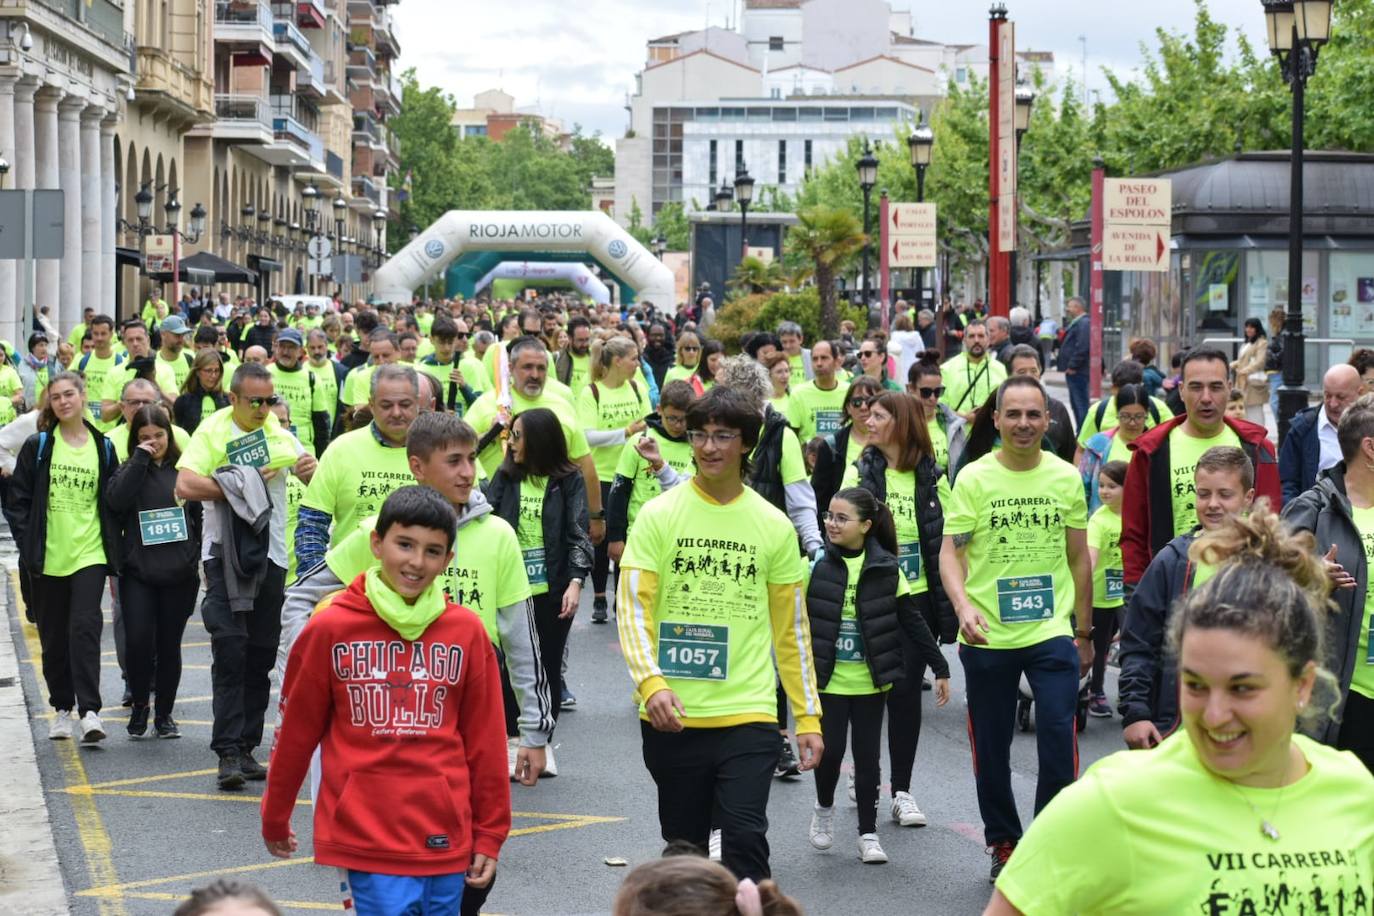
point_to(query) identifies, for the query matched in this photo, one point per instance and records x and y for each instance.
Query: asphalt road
(139, 823)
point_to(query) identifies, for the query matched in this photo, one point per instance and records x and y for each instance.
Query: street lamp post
(310, 202)
(1296, 32)
(868, 177)
(744, 193)
(339, 206)
(921, 144)
(1025, 102)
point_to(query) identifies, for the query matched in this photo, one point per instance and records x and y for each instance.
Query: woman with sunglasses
(873, 363)
(898, 467)
(1132, 415)
(843, 447)
(946, 428)
(688, 355)
(160, 574)
(202, 393)
(539, 491)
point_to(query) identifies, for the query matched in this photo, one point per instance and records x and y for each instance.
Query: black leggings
(601, 560)
(1105, 621)
(154, 620)
(553, 636)
(864, 716)
(904, 706)
(69, 625)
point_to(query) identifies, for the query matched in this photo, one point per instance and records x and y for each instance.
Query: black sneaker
(250, 768)
(1000, 852)
(567, 701)
(230, 775)
(599, 609)
(787, 761)
(166, 727)
(138, 721)
(128, 699)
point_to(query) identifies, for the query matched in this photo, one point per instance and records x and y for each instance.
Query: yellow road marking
(90, 829)
(119, 890)
(161, 777)
(185, 645)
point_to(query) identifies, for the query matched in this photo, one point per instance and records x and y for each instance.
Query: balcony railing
(285, 127)
(366, 187)
(253, 23)
(245, 109)
(333, 165)
(364, 125)
(287, 34)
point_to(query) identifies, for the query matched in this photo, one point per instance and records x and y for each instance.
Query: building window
(806, 154)
(782, 162)
(739, 157)
(775, 43)
(713, 163)
(775, 92)
(961, 75)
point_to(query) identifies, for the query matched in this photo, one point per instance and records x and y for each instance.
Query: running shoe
(870, 850)
(1099, 708)
(250, 768)
(787, 761)
(906, 812)
(1000, 853)
(512, 749)
(599, 609)
(62, 725)
(128, 699)
(166, 727)
(822, 827)
(550, 768)
(713, 846)
(230, 775)
(92, 729)
(138, 721)
(568, 701)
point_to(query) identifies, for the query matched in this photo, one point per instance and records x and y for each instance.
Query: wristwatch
(598, 516)
(1079, 634)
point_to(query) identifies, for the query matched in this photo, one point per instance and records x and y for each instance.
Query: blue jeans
(992, 678)
(1275, 380)
(1078, 396)
(400, 895)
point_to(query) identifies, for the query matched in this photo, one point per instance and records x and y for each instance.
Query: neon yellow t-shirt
(798, 368)
(815, 411)
(616, 408)
(1090, 427)
(1172, 837)
(711, 630)
(851, 676)
(581, 374)
(482, 415)
(355, 476)
(1362, 680)
(1120, 450)
(486, 574)
(939, 443)
(678, 456)
(440, 372)
(1104, 535)
(327, 385)
(357, 388)
(10, 385)
(116, 379)
(73, 524)
(181, 369)
(1018, 564)
(304, 400)
(474, 374)
(901, 501)
(530, 533)
(295, 492)
(679, 373)
(968, 385)
(1184, 452)
(95, 373)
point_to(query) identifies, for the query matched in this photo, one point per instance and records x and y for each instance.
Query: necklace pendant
(1269, 830)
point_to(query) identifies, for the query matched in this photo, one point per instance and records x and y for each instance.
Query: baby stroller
(1024, 701)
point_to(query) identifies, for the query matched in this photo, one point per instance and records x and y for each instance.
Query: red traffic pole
(1095, 284)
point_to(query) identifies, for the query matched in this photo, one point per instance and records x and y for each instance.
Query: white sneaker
(850, 779)
(92, 729)
(550, 768)
(61, 727)
(512, 748)
(713, 846)
(870, 850)
(906, 812)
(823, 827)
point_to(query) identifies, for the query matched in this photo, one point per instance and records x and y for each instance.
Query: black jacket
(1148, 687)
(564, 520)
(1300, 454)
(883, 617)
(260, 335)
(139, 485)
(28, 499)
(930, 519)
(1060, 435)
(828, 473)
(187, 409)
(1324, 510)
(765, 467)
(660, 360)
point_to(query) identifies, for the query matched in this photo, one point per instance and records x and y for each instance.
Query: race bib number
(535, 570)
(1025, 599)
(850, 645)
(162, 526)
(693, 651)
(249, 451)
(1116, 584)
(827, 422)
(909, 559)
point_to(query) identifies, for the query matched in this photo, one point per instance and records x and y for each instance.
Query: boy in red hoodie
(401, 691)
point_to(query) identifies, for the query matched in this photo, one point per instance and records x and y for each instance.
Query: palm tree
(754, 275)
(828, 238)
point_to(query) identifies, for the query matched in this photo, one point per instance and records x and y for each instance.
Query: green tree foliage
(754, 275)
(826, 239)
(745, 314)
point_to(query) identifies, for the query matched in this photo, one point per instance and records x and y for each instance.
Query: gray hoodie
(519, 642)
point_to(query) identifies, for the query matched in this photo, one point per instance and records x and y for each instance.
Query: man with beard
(659, 352)
(972, 376)
(571, 365)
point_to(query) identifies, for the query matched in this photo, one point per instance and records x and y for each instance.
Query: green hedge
(765, 311)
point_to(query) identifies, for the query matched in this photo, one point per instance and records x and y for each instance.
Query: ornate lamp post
(868, 177)
(921, 144)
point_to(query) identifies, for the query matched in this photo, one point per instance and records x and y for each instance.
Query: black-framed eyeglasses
(931, 392)
(259, 403)
(861, 402)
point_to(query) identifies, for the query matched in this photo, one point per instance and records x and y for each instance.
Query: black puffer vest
(765, 467)
(875, 603)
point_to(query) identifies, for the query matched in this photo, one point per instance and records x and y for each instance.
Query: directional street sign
(910, 236)
(1137, 219)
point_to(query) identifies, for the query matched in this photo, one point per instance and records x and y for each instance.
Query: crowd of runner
(395, 512)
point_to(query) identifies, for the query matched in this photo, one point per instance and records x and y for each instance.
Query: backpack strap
(1102, 412)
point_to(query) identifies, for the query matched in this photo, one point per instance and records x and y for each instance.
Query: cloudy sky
(576, 59)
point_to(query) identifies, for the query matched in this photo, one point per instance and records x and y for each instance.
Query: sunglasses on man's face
(259, 403)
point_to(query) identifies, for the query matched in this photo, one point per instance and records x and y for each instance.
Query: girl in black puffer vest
(859, 604)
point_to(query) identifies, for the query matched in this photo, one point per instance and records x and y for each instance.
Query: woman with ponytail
(684, 884)
(860, 604)
(1236, 807)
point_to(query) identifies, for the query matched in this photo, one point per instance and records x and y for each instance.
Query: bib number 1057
(693, 651)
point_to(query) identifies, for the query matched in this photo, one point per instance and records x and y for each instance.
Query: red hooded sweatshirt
(412, 737)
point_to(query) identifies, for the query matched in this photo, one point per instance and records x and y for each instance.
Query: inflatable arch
(579, 275)
(591, 232)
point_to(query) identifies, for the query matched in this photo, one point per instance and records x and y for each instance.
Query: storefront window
(1351, 303)
(1215, 289)
(1267, 287)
